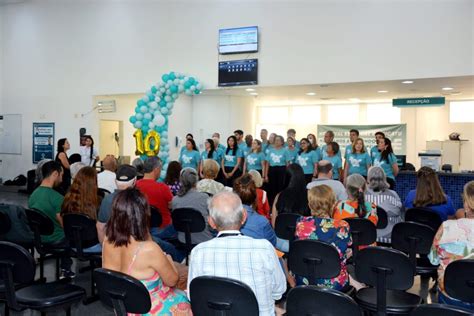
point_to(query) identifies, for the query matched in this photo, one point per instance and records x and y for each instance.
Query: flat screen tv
(238, 40)
(238, 72)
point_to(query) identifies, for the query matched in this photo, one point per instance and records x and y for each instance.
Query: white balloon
(159, 120)
(199, 86)
(162, 89)
(188, 92)
(139, 116)
(164, 110)
(180, 88)
(181, 81)
(186, 78)
(169, 82)
(169, 105)
(167, 98)
(192, 88)
(174, 96)
(164, 134)
(168, 92)
(176, 81)
(167, 86)
(157, 98)
(138, 124)
(151, 125)
(153, 105)
(147, 116)
(146, 99)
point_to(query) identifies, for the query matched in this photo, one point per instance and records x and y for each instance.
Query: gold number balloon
(152, 143)
(139, 142)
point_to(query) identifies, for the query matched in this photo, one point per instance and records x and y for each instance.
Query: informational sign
(396, 133)
(43, 141)
(410, 102)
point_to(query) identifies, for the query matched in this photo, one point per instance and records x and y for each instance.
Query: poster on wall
(397, 133)
(43, 141)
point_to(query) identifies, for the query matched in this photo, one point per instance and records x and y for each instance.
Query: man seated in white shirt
(325, 177)
(232, 255)
(106, 179)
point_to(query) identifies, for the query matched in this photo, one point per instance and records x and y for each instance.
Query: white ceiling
(463, 88)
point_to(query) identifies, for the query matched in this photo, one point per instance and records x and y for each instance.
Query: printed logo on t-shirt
(276, 158)
(302, 161)
(252, 160)
(229, 158)
(378, 163)
(355, 162)
(186, 159)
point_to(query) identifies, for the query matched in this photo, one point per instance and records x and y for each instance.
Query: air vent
(107, 106)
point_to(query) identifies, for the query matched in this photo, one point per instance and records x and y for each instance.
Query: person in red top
(263, 207)
(158, 195)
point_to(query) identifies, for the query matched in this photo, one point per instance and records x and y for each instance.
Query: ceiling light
(249, 89)
(253, 93)
(382, 91)
(311, 93)
(447, 89)
(407, 81)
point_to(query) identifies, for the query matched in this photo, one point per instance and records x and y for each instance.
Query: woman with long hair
(277, 159)
(172, 177)
(292, 149)
(232, 159)
(333, 155)
(263, 207)
(255, 160)
(129, 248)
(314, 142)
(357, 159)
(430, 194)
(89, 154)
(190, 157)
(62, 158)
(386, 159)
(210, 152)
(308, 159)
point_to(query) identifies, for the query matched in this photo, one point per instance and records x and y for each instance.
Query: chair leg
(7, 310)
(57, 268)
(43, 314)
(68, 311)
(41, 262)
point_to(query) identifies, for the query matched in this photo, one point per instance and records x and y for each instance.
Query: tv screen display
(238, 72)
(238, 40)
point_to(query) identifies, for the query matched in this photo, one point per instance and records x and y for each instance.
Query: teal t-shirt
(277, 157)
(246, 150)
(48, 202)
(190, 158)
(325, 153)
(215, 156)
(230, 160)
(267, 149)
(348, 151)
(307, 160)
(373, 152)
(292, 154)
(386, 166)
(264, 146)
(221, 147)
(358, 163)
(336, 162)
(254, 161)
(242, 146)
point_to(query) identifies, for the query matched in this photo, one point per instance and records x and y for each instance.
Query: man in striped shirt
(232, 255)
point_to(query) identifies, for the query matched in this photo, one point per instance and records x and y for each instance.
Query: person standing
(292, 133)
(209, 152)
(255, 160)
(385, 158)
(277, 159)
(374, 150)
(292, 149)
(89, 154)
(328, 139)
(239, 135)
(231, 162)
(332, 151)
(63, 160)
(190, 157)
(308, 159)
(357, 160)
(264, 137)
(353, 135)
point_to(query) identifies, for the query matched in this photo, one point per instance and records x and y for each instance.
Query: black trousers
(392, 183)
(229, 182)
(308, 178)
(276, 181)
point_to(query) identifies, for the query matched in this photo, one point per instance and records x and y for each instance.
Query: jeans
(283, 245)
(169, 249)
(93, 249)
(167, 232)
(445, 299)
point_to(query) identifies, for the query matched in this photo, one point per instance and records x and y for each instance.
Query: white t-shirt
(106, 180)
(86, 155)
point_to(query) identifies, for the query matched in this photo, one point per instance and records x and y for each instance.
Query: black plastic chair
(440, 310)
(17, 266)
(102, 192)
(187, 221)
(382, 218)
(40, 224)
(123, 293)
(221, 296)
(285, 225)
(155, 217)
(424, 216)
(459, 280)
(5, 224)
(388, 273)
(315, 300)
(415, 239)
(314, 260)
(81, 232)
(363, 233)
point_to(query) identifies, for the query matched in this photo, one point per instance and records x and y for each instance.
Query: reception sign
(43, 141)
(410, 102)
(397, 133)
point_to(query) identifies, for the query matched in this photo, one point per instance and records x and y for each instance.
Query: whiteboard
(10, 134)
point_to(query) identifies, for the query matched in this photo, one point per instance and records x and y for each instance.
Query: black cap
(126, 173)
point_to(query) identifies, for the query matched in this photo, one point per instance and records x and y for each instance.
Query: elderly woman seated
(210, 170)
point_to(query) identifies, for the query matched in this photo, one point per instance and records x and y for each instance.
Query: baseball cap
(126, 173)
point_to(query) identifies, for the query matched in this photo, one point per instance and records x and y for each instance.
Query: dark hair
(239, 131)
(310, 146)
(248, 140)
(49, 167)
(61, 143)
(190, 135)
(335, 147)
(74, 158)
(192, 143)
(213, 148)
(130, 218)
(380, 133)
(326, 168)
(428, 188)
(294, 198)
(386, 152)
(82, 197)
(92, 145)
(172, 173)
(356, 186)
(246, 189)
(354, 131)
(315, 145)
(291, 130)
(234, 150)
(281, 139)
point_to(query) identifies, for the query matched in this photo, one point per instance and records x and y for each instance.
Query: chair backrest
(39, 223)
(363, 233)
(123, 293)
(439, 310)
(215, 295)
(412, 238)
(459, 280)
(285, 225)
(315, 300)
(188, 219)
(314, 259)
(102, 192)
(382, 218)
(155, 217)
(80, 230)
(424, 216)
(5, 224)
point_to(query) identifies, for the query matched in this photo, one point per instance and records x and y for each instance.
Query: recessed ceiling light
(446, 88)
(311, 93)
(382, 91)
(354, 99)
(253, 93)
(249, 89)
(407, 81)
(456, 93)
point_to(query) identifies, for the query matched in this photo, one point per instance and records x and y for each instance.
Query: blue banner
(43, 141)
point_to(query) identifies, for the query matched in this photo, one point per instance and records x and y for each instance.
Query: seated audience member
(430, 194)
(325, 177)
(233, 255)
(48, 201)
(189, 197)
(468, 196)
(82, 199)
(210, 170)
(172, 177)
(138, 164)
(452, 242)
(74, 158)
(320, 226)
(158, 195)
(128, 248)
(356, 205)
(263, 207)
(106, 179)
(39, 172)
(379, 193)
(75, 167)
(256, 225)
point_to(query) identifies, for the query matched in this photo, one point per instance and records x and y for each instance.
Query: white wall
(60, 53)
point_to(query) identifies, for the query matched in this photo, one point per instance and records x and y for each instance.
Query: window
(273, 115)
(461, 111)
(305, 115)
(383, 113)
(343, 114)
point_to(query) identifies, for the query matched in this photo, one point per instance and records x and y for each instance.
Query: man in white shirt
(232, 255)
(325, 177)
(106, 179)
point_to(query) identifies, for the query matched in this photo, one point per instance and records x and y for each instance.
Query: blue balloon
(145, 121)
(165, 78)
(162, 103)
(187, 84)
(132, 119)
(197, 91)
(138, 124)
(137, 109)
(145, 129)
(157, 128)
(141, 102)
(154, 89)
(171, 76)
(191, 80)
(151, 97)
(139, 116)
(174, 89)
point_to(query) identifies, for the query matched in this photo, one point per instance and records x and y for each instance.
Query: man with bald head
(235, 256)
(325, 177)
(106, 179)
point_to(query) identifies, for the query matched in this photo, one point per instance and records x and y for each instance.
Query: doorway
(111, 138)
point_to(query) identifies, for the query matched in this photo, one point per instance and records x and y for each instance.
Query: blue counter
(452, 183)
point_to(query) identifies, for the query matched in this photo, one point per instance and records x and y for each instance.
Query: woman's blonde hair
(321, 201)
(468, 195)
(210, 168)
(354, 145)
(428, 188)
(257, 178)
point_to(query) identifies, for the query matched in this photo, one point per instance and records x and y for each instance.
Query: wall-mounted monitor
(238, 72)
(238, 40)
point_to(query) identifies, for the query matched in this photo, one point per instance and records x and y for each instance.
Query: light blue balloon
(146, 99)
(164, 134)
(191, 80)
(145, 121)
(144, 109)
(165, 78)
(138, 124)
(162, 90)
(174, 96)
(180, 88)
(139, 116)
(133, 119)
(167, 148)
(147, 116)
(162, 102)
(141, 102)
(164, 111)
(169, 105)
(173, 89)
(165, 166)
(188, 92)
(164, 141)
(167, 98)
(168, 92)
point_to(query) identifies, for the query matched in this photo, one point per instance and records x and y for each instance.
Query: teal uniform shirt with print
(386, 166)
(293, 154)
(358, 163)
(348, 151)
(254, 161)
(242, 146)
(297, 145)
(373, 152)
(246, 150)
(264, 146)
(267, 150)
(230, 160)
(336, 162)
(307, 160)
(325, 153)
(221, 147)
(278, 157)
(215, 156)
(190, 158)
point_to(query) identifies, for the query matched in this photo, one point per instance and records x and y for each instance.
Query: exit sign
(406, 102)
